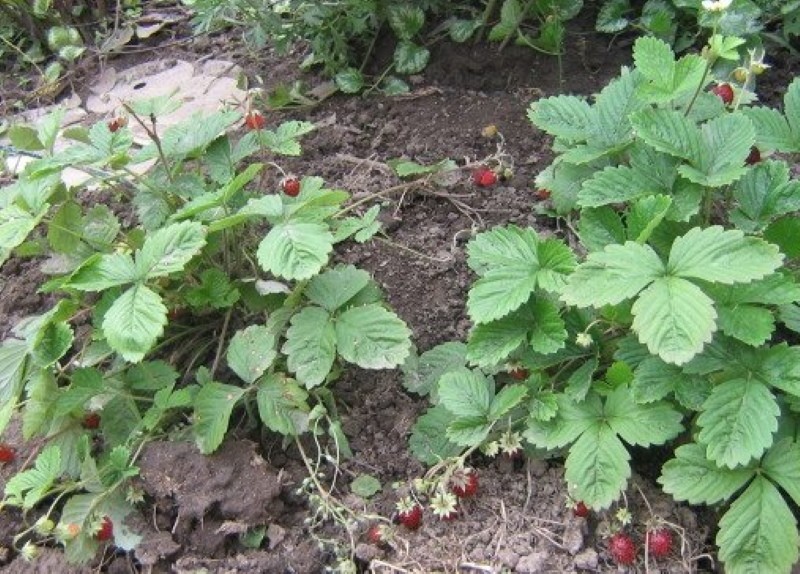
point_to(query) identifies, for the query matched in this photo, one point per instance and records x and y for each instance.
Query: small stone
(573, 538)
(586, 560)
(532, 563)
(276, 534)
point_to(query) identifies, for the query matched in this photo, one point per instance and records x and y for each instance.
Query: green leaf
(645, 215)
(25, 138)
(598, 467)
(282, 405)
(748, 323)
(772, 130)
(667, 79)
(466, 393)
(737, 421)
(781, 464)
(15, 226)
(251, 352)
(190, 136)
(212, 412)
(674, 318)
(350, 80)
(365, 485)
(335, 287)
(101, 272)
(727, 141)
(668, 131)
(611, 18)
(169, 249)
(409, 58)
(428, 441)
(27, 488)
(764, 193)
(215, 290)
(421, 375)
(690, 476)
(120, 420)
(580, 381)
(783, 233)
(469, 431)
(716, 255)
(462, 30)
(600, 227)
(151, 376)
(653, 379)
(283, 140)
(572, 420)
(565, 117)
(310, 346)
(86, 383)
(641, 425)
(511, 15)
(759, 532)
(406, 20)
(51, 343)
(508, 398)
(13, 367)
(295, 250)
(134, 322)
(615, 184)
(372, 337)
(65, 229)
(613, 275)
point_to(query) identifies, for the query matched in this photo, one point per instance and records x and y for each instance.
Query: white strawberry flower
(716, 5)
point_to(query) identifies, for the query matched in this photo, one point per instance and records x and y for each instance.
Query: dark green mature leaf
(421, 374)
(409, 58)
(781, 464)
(642, 425)
(571, 421)
(466, 393)
(598, 467)
(406, 20)
(282, 405)
(738, 421)
(600, 227)
(372, 337)
(212, 412)
(295, 250)
(429, 442)
(759, 531)
(764, 193)
(690, 476)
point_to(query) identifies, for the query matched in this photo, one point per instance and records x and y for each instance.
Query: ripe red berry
(106, 530)
(117, 123)
(409, 514)
(291, 186)
(450, 517)
(7, 453)
(484, 177)
(519, 373)
(542, 194)
(91, 421)
(255, 121)
(754, 157)
(659, 542)
(724, 92)
(622, 549)
(464, 483)
(581, 510)
(375, 534)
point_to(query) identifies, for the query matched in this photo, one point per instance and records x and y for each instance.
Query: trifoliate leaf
(571, 421)
(101, 272)
(508, 398)
(759, 531)
(781, 464)
(690, 476)
(372, 337)
(212, 412)
(428, 441)
(469, 431)
(737, 421)
(310, 346)
(27, 488)
(565, 117)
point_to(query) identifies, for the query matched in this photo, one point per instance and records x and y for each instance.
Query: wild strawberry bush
(215, 271)
(670, 318)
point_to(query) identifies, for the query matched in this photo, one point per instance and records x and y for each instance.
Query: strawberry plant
(219, 297)
(675, 317)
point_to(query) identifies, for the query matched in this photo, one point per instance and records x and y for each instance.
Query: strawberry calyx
(464, 482)
(255, 120)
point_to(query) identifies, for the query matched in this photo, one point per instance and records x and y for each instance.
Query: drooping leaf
(422, 375)
(282, 405)
(251, 352)
(213, 406)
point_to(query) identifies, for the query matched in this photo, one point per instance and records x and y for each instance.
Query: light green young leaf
(372, 337)
(667, 79)
(610, 128)
(169, 249)
(190, 136)
(421, 375)
(283, 140)
(738, 421)
(335, 287)
(295, 250)
(15, 226)
(759, 532)
(726, 142)
(610, 276)
(13, 367)
(365, 486)
(508, 398)
(282, 405)
(598, 467)
(716, 255)
(43, 395)
(690, 476)
(466, 393)
(27, 488)
(641, 425)
(310, 346)
(674, 318)
(251, 352)
(212, 412)
(645, 215)
(103, 271)
(773, 132)
(134, 322)
(614, 184)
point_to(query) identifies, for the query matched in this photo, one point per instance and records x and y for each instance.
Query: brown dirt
(196, 506)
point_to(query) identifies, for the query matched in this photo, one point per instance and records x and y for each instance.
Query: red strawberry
(519, 373)
(91, 421)
(464, 483)
(7, 453)
(542, 194)
(255, 121)
(450, 517)
(724, 92)
(375, 534)
(484, 177)
(106, 530)
(409, 513)
(659, 542)
(622, 549)
(581, 510)
(754, 157)
(117, 123)
(291, 186)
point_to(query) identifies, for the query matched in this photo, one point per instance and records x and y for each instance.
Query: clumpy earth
(242, 510)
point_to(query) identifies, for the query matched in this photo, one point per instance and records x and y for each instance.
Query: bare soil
(196, 507)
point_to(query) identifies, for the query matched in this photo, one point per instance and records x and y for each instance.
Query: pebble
(587, 560)
(573, 538)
